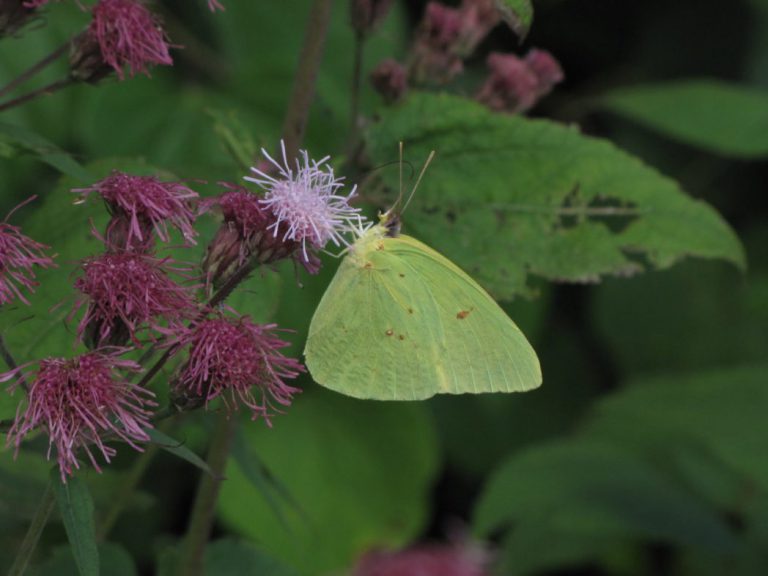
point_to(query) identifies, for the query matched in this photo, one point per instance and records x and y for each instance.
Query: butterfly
(399, 321)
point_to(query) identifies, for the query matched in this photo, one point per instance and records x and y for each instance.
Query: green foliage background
(644, 452)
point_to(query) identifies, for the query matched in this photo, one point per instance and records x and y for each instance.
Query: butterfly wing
(405, 323)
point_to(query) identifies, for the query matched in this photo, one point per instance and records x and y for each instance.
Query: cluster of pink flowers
(446, 37)
(129, 297)
(516, 84)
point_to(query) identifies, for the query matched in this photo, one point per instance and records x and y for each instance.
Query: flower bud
(367, 14)
(86, 64)
(390, 79)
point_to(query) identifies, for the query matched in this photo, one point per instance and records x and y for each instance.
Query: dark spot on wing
(389, 332)
(451, 216)
(401, 275)
(463, 314)
(410, 310)
(401, 337)
(367, 265)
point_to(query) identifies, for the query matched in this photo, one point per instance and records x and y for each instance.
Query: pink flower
(214, 5)
(516, 85)
(19, 254)
(139, 204)
(305, 203)
(35, 3)
(434, 560)
(237, 360)
(128, 34)
(433, 56)
(125, 293)
(81, 402)
(546, 68)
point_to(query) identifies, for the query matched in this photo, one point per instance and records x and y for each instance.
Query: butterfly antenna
(418, 180)
(400, 195)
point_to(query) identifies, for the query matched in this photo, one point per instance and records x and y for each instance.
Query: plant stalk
(204, 508)
(34, 69)
(31, 538)
(303, 91)
(45, 90)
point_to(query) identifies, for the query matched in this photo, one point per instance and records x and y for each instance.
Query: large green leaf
(76, 508)
(588, 490)
(711, 423)
(721, 117)
(338, 459)
(508, 197)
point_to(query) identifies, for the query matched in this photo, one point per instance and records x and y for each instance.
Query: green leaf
(115, 561)
(231, 557)
(590, 489)
(716, 414)
(274, 492)
(518, 14)
(507, 197)
(76, 509)
(336, 457)
(23, 139)
(177, 449)
(717, 116)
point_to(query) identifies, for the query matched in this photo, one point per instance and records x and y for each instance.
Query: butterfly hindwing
(402, 322)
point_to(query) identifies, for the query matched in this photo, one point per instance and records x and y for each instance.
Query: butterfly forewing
(402, 322)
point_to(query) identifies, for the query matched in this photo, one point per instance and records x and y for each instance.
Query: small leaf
(518, 14)
(177, 448)
(26, 140)
(115, 561)
(720, 117)
(231, 557)
(507, 197)
(234, 136)
(76, 507)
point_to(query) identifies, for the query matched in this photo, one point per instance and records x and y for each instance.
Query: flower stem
(201, 519)
(354, 104)
(45, 90)
(7, 357)
(35, 68)
(28, 545)
(303, 91)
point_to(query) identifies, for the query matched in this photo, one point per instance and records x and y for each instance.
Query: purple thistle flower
(128, 34)
(305, 203)
(237, 360)
(139, 204)
(80, 402)
(19, 254)
(125, 293)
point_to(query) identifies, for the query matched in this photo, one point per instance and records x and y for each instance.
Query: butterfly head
(390, 222)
